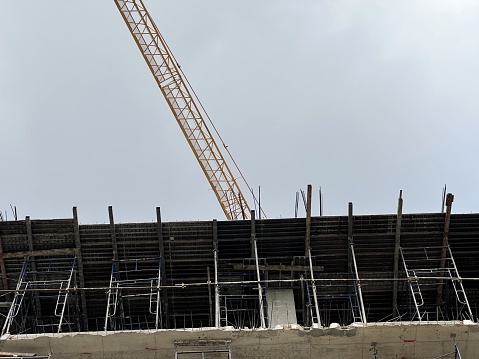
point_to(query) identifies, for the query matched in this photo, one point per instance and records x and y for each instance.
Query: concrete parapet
(390, 340)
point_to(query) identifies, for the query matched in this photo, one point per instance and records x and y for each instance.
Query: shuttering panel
(188, 248)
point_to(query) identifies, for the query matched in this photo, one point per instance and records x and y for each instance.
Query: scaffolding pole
(217, 290)
(313, 285)
(358, 286)
(258, 278)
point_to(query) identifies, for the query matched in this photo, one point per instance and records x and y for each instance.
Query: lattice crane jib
(178, 94)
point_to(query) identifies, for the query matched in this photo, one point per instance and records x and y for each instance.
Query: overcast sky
(362, 98)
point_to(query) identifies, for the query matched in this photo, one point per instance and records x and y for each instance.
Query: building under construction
(247, 276)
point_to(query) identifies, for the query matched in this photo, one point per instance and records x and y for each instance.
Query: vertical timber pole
(443, 198)
(28, 223)
(253, 232)
(307, 244)
(113, 236)
(397, 245)
(351, 276)
(116, 267)
(217, 289)
(3, 269)
(76, 231)
(161, 244)
(350, 241)
(256, 260)
(445, 244)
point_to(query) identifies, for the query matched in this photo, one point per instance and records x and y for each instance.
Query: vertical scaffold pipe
(256, 260)
(358, 284)
(217, 290)
(313, 285)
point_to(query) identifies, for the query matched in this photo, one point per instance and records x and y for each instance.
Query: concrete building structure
(395, 286)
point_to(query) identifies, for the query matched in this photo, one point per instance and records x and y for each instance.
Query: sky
(361, 98)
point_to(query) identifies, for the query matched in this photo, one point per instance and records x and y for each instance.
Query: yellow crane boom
(189, 116)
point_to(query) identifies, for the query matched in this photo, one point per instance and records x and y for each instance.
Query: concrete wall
(390, 340)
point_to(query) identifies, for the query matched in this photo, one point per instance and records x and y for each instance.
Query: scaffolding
(244, 305)
(133, 297)
(324, 289)
(211, 272)
(42, 300)
(456, 353)
(426, 279)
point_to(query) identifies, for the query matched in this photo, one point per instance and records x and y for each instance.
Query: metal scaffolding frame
(319, 288)
(43, 284)
(456, 353)
(240, 305)
(422, 263)
(312, 295)
(134, 294)
(240, 311)
(192, 249)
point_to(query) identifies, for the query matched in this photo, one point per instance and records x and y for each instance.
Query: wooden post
(76, 231)
(161, 244)
(308, 222)
(28, 223)
(445, 243)
(253, 232)
(350, 236)
(397, 246)
(3, 269)
(113, 235)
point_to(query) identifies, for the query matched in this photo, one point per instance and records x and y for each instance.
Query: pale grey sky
(363, 98)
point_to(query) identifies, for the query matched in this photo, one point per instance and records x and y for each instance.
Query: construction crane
(182, 102)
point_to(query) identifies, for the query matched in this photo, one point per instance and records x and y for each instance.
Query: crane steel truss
(176, 91)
